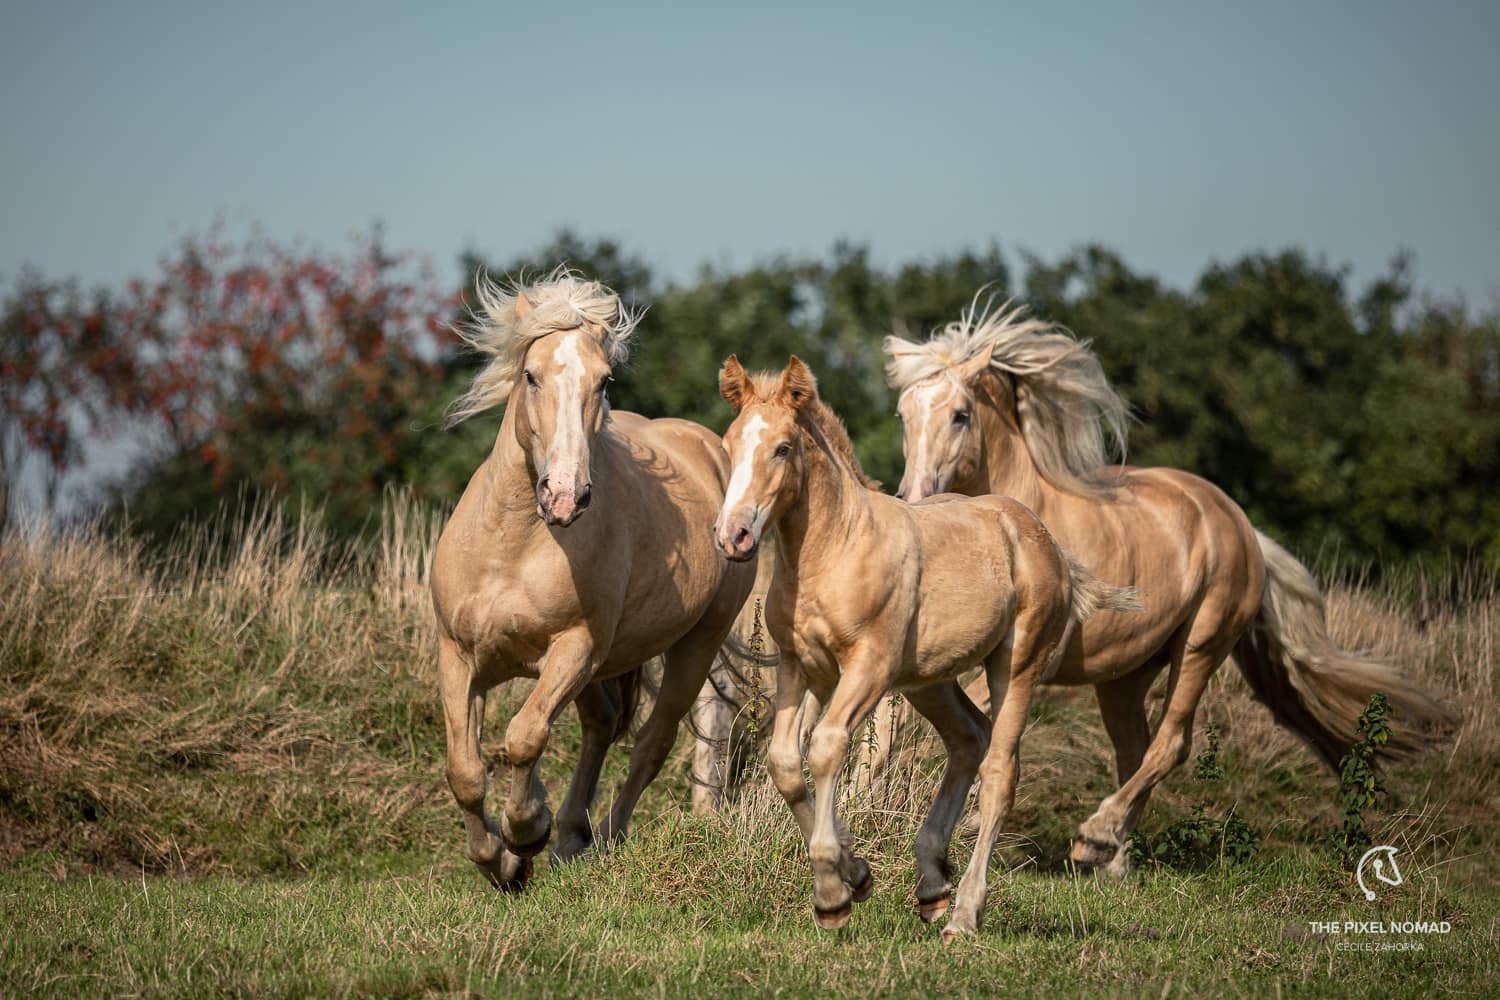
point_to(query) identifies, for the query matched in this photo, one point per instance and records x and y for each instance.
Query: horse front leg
(566, 669)
(839, 876)
(463, 696)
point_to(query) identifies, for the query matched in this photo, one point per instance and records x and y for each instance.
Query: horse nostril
(742, 538)
(585, 495)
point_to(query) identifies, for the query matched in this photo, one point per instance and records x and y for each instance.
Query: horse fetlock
(934, 887)
(571, 843)
(526, 835)
(833, 901)
(961, 926)
(933, 908)
(1098, 848)
(931, 852)
(832, 920)
(485, 849)
(860, 879)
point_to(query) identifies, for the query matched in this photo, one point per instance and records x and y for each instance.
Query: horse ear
(523, 305)
(798, 386)
(975, 366)
(733, 384)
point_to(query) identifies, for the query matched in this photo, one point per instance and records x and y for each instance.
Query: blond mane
(564, 300)
(1068, 411)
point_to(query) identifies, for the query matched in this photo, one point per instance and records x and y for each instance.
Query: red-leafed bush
(284, 371)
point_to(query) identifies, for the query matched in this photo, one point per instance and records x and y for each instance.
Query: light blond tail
(1313, 687)
(1092, 595)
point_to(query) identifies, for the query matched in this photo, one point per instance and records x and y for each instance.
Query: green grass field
(222, 773)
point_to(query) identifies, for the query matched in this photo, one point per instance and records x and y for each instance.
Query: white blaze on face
(744, 470)
(930, 401)
(567, 440)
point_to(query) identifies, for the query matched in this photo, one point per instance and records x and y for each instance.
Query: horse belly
(967, 596)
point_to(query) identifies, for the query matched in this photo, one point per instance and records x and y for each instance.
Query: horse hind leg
(1101, 842)
(713, 726)
(685, 668)
(1122, 706)
(600, 706)
(964, 731)
(1013, 670)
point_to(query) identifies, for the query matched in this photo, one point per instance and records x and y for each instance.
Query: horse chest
(509, 620)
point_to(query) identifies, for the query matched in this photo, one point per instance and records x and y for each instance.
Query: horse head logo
(1382, 862)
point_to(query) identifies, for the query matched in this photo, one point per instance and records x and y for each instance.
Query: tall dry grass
(260, 699)
(257, 697)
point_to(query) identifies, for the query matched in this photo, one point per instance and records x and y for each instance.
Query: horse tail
(1092, 595)
(1313, 687)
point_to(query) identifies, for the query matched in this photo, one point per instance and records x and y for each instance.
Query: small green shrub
(1201, 840)
(1359, 782)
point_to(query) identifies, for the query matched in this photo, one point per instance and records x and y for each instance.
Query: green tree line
(1361, 426)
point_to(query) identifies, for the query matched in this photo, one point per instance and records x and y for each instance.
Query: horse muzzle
(737, 540)
(561, 508)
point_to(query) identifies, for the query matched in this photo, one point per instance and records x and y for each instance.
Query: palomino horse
(871, 594)
(997, 403)
(525, 584)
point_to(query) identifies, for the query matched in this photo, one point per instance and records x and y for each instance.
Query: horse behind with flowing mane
(576, 553)
(1000, 403)
(871, 594)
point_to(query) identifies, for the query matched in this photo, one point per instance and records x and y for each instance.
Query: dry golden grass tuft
(261, 704)
(266, 704)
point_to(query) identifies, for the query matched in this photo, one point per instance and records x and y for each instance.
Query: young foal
(525, 584)
(869, 594)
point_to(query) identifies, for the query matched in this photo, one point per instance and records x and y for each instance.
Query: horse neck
(510, 480)
(830, 508)
(1005, 464)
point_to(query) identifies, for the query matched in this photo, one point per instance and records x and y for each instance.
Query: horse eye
(530, 379)
(783, 449)
(961, 418)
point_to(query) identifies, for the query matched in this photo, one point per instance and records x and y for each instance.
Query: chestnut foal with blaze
(871, 594)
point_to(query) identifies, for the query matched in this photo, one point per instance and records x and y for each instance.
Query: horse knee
(525, 740)
(467, 780)
(785, 765)
(827, 748)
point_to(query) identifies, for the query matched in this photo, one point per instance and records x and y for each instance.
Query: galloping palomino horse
(577, 552)
(869, 594)
(998, 403)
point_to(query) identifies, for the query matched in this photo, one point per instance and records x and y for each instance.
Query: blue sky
(1176, 133)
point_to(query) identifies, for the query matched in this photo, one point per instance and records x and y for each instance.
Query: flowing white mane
(564, 300)
(1068, 411)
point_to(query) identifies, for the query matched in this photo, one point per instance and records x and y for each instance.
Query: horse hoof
(933, 908)
(864, 889)
(951, 933)
(569, 849)
(1090, 855)
(832, 920)
(513, 880)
